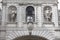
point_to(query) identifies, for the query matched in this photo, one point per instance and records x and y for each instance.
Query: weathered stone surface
(32, 1)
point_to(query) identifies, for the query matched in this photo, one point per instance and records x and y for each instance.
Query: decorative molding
(24, 4)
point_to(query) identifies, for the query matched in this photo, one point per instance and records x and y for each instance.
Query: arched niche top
(30, 10)
(47, 7)
(30, 37)
(11, 9)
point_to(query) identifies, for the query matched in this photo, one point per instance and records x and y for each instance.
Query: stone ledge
(31, 1)
(48, 22)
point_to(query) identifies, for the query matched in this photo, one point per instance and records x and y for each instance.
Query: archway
(30, 11)
(30, 14)
(30, 37)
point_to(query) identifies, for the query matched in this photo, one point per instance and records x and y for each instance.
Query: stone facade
(11, 30)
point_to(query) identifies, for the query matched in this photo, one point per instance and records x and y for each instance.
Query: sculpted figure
(48, 15)
(12, 16)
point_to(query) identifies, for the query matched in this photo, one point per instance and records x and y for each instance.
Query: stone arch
(15, 34)
(30, 11)
(12, 10)
(30, 37)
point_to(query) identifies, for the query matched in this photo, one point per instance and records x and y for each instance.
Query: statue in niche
(12, 16)
(48, 15)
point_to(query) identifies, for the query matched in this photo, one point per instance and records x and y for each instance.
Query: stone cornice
(23, 4)
(32, 1)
